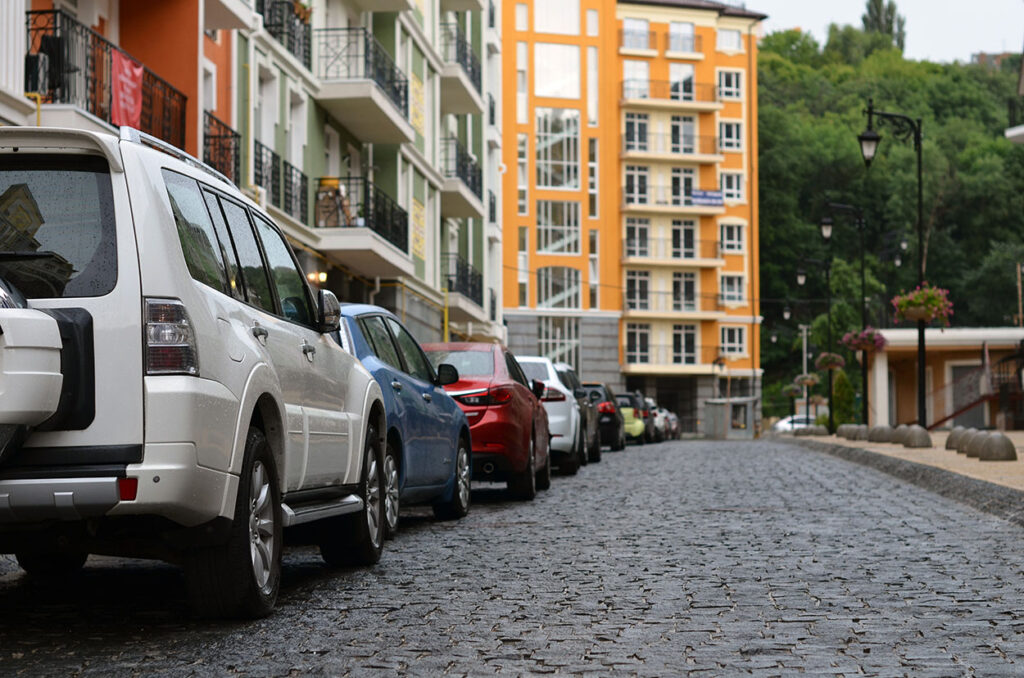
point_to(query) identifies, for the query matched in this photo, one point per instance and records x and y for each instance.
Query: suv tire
(594, 453)
(242, 577)
(358, 539)
(54, 564)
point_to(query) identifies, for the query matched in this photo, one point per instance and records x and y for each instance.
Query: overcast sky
(937, 30)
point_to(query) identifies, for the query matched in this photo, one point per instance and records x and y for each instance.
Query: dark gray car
(588, 410)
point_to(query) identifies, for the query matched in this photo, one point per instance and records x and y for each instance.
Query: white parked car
(169, 384)
(793, 422)
(660, 415)
(568, 447)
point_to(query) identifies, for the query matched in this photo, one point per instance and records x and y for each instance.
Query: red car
(507, 423)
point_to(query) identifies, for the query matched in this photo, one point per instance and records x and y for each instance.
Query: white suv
(168, 384)
(568, 444)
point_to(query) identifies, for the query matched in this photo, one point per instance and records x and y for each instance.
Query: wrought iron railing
(632, 38)
(282, 20)
(222, 147)
(459, 164)
(69, 63)
(463, 278)
(675, 90)
(296, 192)
(679, 143)
(266, 169)
(354, 202)
(458, 50)
(676, 353)
(354, 54)
(684, 43)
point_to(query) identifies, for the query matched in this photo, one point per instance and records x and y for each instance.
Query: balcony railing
(459, 164)
(684, 43)
(222, 147)
(670, 354)
(679, 90)
(682, 248)
(354, 202)
(282, 21)
(673, 143)
(354, 54)
(660, 196)
(266, 169)
(463, 278)
(662, 302)
(492, 207)
(69, 63)
(296, 192)
(458, 50)
(637, 39)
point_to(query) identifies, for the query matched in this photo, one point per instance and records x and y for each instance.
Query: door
(965, 392)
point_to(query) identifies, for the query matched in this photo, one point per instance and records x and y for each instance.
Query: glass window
(558, 227)
(684, 239)
(636, 131)
(729, 41)
(684, 344)
(522, 86)
(558, 148)
(635, 34)
(416, 363)
(732, 186)
(638, 343)
(62, 205)
(730, 84)
(684, 291)
(562, 17)
(636, 184)
(195, 231)
(731, 237)
(730, 135)
(227, 249)
(559, 339)
(592, 178)
(296, 301)
(515, 371)
(732, 287)
(593, 273)
(468, 363)
(522, 174)
(684, 134)
(733, 340)
(558, 287)
(592, 23)
(638, 290)
(534, 370)
(680, 37)
(635, 79)
(257, 287)
(379, 339)
(593, 88)
(522, 20)
(681, 82)
(556, 70)
(637, 231)
(682, 185)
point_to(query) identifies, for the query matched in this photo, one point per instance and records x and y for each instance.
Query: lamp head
(786, 313)
(826, 228)
(869, 140)
(801, 277)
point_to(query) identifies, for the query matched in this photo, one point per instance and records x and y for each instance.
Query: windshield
(57, 225)
(468, 363)
(534, 370)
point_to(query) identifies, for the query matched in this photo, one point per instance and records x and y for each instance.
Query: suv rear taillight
(606, 407)
(170, 339)
(552, 394)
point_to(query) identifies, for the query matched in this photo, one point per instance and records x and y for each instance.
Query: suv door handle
(397, 385)
(428, 397)
(259, 331)
(308, 350)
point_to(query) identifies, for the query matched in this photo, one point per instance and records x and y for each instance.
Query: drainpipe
(376, 288)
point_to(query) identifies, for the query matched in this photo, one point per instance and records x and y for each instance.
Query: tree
(843, 399)
(882, 18)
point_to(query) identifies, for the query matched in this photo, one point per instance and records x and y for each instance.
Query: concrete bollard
(977, 444)
(819, 431)
(861, 433)
(965, 437)
(998, 448)
(916, 436)
(845, 431)
(804, 431)
(880, 434)
(954, 436)
(899, 434)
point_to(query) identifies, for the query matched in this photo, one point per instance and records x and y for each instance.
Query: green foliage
(842, 399)
(882, 18)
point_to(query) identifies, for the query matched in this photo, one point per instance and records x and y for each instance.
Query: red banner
(126, 90)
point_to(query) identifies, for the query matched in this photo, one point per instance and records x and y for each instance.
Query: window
(558, 287)
(558, 148)
(515, 371)
(634, 34)
(682, 185)
(592, 177)
(730, 84)
(638, 343)
(636, 237)
(730, 135)
(638, 290)
(522, 19)
(594, 273)
(380, 341)
(732, 186)
(292, 291)
(684, 344)
(635, 79)
(235, 285)
(556, 70)
(683, 135)
(562, 17)
(731, 237)
(416, 363)
(733, 340)
(592, 23)
(684, 239)
(681, 82)
(636, 131)
(559, 339)
(729, 41)
(732, 288)
(680, 37)
(522, 175)
(257, 287)
(199, 242)
(636, 185)
(523, 266)
(593, 88)
(684, 291)
(558, 227)
(522, 83)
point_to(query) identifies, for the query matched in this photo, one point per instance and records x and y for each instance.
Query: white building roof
(1008, 337)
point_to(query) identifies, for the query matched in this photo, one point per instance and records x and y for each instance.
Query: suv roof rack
(136, 137)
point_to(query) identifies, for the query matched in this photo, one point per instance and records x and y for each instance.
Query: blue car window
(416, 363)
(380, 340)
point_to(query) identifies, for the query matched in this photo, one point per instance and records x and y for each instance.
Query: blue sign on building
(707, 198)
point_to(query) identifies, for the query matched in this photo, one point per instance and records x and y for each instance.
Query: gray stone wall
(522, 334)
(599, 352)
(423, 320)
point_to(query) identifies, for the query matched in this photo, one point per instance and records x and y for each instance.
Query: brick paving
(683, 558)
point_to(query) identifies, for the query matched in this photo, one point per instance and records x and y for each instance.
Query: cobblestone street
(683, 557)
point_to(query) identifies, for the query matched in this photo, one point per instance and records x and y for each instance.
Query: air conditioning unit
(37, 73)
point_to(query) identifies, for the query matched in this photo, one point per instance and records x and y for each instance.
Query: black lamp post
(801, 278)
(904, 127)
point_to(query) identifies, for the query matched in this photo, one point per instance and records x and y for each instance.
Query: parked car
(185, 398)
(568, 437)
(674, 425)
(611, 424)
(427, 453)
(646, 415)
(660, 417)
(793, 422)
(588, 410)
(631, 407)
(507, 423)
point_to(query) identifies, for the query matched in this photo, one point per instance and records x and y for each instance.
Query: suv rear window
(57, 236)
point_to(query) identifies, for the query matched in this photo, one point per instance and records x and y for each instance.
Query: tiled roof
(720, 7)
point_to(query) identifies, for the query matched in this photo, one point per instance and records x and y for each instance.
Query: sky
(937, 30)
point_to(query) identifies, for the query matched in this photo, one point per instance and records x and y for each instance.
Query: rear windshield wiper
(26, 256)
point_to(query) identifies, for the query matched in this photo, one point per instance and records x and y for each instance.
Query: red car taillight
(551, 395)
(606, 407)
(499, 395)
(645, 413)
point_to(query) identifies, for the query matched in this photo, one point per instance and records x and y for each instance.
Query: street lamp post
(904, 127)
(801, 278)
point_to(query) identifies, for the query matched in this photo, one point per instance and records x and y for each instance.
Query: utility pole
(803, 332)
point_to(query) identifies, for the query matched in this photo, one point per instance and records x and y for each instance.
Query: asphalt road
(673, 559)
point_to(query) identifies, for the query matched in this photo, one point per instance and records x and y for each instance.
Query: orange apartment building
(631, 242)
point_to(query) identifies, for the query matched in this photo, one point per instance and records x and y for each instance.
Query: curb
(1003, 502)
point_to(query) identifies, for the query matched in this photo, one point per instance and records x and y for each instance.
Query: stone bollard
(998, 448)
(845, 431)
(861, 433)
(819, 431)
(976, 444)
(965, 437)
(880, 434)
(803, 431)
(916, 436)
(954, 436)
(899, 434)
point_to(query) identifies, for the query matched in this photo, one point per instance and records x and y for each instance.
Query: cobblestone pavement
(680, 558)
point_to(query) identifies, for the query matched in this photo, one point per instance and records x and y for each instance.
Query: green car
(633, 424)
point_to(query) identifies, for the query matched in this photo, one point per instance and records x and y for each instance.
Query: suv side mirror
(537, 387)
(447, 374)
(328, 312)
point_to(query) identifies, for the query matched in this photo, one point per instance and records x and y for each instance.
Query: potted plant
(806, 380)
(869, 339)
(925, 302)
(829, 361)
(792, 391)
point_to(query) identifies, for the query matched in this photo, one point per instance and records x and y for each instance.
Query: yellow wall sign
(419, 230)
(416, 116)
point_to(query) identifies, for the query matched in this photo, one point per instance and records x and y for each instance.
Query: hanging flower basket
(806, 380)
(869, 339)
(830, 361)
(792, 391)
(924, 302)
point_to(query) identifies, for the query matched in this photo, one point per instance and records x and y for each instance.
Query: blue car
(428, 458)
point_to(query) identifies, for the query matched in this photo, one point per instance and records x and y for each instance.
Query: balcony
(667, 306)
(684, 44)
(676, 252)
(296, 193)
(385, 5)
(266, 171)
(222, 147)
(462, 5)
(681, 95)
(460, 74)
(634, 41)
(641, 198)
(227, 14)
(361, 85)
(673, 147)
(282, 20)
(70, 64)
(465, 289)
(641, 358)
(462, 191)
(362, 228)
